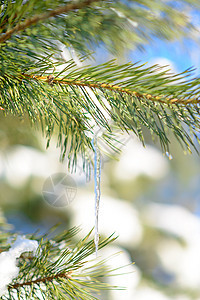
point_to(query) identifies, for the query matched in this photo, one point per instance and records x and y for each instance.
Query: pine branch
(127, 24)
(51, 267)
(68, 101)
(38, 18)
(41, 280)
(115, 88)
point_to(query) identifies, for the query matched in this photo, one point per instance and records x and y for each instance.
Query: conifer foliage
(55, 94)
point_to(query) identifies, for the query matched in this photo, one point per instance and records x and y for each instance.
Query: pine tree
(84, 106)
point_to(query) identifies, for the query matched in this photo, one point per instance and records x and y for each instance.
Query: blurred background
(149, 199)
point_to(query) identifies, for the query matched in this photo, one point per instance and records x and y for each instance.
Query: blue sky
(183, 55)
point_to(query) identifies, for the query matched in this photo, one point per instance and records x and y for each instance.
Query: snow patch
(8, 261)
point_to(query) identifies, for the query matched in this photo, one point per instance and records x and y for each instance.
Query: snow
(174, 219)
(115, 215)
(8, 261)
(149, 293)
(128, 277)
(180, 260)
(22, 162)
(137, 160)
(145, 292)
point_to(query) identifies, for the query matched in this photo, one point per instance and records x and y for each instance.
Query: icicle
(97, 178)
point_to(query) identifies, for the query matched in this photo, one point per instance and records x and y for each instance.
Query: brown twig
(41, 280)
(53, 13)
(162, 99)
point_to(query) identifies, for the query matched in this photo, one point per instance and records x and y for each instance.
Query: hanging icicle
(97, 179)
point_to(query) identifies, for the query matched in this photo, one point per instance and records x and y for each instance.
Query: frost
(8, 261)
